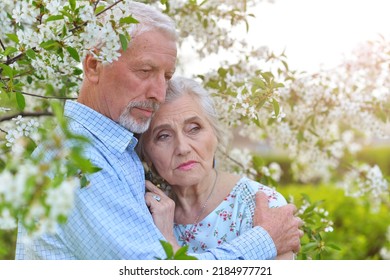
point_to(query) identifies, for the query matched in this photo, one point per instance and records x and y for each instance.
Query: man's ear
(91, 68)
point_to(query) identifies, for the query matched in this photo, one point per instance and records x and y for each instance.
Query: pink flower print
(224, 215)
(232, 226)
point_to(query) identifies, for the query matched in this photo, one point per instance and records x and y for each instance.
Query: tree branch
(26, 114)
(47, 97)
(2, 45)
(15, 58)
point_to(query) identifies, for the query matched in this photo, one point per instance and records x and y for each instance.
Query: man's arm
(254, 244)
(280, 223)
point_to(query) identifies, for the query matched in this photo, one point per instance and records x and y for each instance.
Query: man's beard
(137, 125)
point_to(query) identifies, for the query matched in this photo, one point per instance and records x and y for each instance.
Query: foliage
(180, 254)
(7, 244)
(358, 233)
(320, 120)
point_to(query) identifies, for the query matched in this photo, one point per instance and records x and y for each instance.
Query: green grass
(359, 232)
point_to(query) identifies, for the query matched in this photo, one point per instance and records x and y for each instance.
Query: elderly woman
(210, 206)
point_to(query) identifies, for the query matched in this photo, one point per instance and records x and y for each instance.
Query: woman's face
(180, 142)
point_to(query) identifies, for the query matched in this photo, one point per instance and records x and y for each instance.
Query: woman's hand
(162, 209)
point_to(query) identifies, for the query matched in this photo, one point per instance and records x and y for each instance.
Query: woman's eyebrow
(161, 127)
(168, 126)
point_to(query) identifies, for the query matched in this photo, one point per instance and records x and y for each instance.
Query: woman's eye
(162, 137)
(194, 129)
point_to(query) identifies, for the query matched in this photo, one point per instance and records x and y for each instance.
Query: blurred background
(316, 36)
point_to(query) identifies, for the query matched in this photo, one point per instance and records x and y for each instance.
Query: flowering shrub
(317, 119)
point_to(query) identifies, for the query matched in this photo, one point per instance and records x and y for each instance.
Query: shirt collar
(106, 130)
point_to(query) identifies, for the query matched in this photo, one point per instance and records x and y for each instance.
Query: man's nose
(159, 89)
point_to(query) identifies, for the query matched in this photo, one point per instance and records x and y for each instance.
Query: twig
(26, 114)
(2, 45)
(47, 97)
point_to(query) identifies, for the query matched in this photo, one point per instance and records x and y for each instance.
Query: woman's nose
(182, 145)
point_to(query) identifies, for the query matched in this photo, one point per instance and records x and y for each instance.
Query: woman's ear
(91, 68)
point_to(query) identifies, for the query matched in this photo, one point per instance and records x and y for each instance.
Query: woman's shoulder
(246, 188)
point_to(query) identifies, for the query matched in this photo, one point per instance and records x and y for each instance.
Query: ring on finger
(156, 197)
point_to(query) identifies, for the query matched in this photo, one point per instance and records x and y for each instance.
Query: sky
(317, 33)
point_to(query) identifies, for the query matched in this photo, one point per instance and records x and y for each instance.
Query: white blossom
(7, 221)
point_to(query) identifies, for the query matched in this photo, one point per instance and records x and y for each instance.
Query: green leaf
(300, 136)
(99, 9)
(181, 254)
(2, 165)
(309, 246)
(73, 53)
(333, 246)
(275, 104)
(77, 71)
(259, 83)
(20, 100)
(9, 50)
(168, 249)
(50, 44)
(64, 32)
(72, 4)
(128, 20)
(31, 54)
(124, 42)
(53, 18)
(7, 70)
(268, 76)
(13, 37)
(83, 181)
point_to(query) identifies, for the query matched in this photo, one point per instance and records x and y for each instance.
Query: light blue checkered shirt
(110, 219)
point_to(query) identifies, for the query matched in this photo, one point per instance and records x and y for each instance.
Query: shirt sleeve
(254, 244)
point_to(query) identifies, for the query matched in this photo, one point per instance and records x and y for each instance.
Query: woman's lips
(186, 165)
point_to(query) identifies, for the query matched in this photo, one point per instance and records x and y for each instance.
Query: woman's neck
(194, 203)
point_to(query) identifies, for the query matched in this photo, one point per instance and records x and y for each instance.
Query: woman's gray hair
(180, 86)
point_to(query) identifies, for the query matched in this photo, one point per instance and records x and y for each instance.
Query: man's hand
(280, 223)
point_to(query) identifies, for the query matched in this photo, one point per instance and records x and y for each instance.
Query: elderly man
(110, 219)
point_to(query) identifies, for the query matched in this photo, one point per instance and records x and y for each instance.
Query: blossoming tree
(317, 119)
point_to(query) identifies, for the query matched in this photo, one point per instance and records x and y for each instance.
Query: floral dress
(231, 218)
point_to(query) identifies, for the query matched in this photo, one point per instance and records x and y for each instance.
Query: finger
(153, 188)
(262, 201)
(300, 222)
(148, 200)
(151, 200)
(294, 208)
